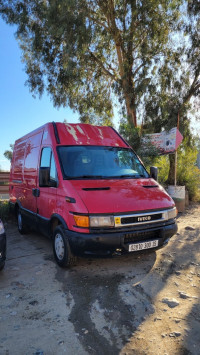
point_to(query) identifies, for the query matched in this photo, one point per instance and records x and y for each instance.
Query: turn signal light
(81, 221)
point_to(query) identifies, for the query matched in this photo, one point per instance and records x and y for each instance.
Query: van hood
(122, 195)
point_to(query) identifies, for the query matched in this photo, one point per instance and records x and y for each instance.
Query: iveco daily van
(84, 187)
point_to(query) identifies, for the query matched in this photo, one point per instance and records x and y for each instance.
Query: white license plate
(144, 245)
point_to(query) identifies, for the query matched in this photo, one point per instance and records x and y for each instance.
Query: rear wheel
(22, 228)
(61, 248)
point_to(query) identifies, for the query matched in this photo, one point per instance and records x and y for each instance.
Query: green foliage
(9, 153)
(86, 52)
(4, 210)
(176, 78)
(130, 134)
(197, 196)
(187, 172)
(162, 163)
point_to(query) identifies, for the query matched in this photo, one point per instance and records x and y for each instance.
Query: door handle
(36, 192)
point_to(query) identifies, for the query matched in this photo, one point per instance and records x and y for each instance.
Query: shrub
(188, 173)
(4, 209)
(162, 163)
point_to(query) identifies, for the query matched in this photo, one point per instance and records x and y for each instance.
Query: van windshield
(97, 162)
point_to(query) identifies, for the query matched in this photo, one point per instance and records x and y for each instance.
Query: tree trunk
(131, 112)
(125, 67)
(128, 89)
(171, 175)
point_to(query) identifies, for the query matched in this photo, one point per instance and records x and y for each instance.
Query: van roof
(86, 134)
(79, 134)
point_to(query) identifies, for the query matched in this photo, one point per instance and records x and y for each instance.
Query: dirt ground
(146, 304)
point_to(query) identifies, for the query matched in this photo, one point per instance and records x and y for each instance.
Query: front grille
(140, 219)
(140, 236)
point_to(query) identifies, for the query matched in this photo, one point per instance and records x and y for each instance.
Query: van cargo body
(84, 187)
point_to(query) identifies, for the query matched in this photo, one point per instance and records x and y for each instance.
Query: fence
(4, 184)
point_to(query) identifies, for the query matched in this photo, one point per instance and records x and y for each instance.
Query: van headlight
(84, 221)
(172, 213)
(101, 221)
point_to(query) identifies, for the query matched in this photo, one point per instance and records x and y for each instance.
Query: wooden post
(175, 170)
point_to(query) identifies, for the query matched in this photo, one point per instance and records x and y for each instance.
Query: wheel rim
(59, 246)
(19, 221)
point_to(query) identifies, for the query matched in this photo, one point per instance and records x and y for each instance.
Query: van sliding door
(46, 202)
(31, 157)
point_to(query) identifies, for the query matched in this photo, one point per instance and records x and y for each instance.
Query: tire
(22, 228)
(61, 248)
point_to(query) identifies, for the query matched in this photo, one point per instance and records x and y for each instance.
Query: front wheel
(61, 248)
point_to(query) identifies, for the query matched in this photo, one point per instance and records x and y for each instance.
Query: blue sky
(20, 113)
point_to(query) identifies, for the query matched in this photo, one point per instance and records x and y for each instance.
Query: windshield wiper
(87, 177)
(128, 176)
(124, 176)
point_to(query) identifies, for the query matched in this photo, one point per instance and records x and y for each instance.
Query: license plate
(144, 245)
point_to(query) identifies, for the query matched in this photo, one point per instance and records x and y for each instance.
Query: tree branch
(97, 21)
(124, 17)
(131, 33)
(98, 61)
(194, 87)
(138, 68)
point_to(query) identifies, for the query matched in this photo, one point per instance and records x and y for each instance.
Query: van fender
(56, 220)
(25, 212)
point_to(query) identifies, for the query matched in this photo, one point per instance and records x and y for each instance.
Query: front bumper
(103, 243)
(2, 249)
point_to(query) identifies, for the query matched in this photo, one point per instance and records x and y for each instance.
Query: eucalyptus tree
(177, 79)
(173, 95)
(87, 53)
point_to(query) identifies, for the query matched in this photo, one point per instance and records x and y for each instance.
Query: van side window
(47, 161)
(53, 175)
(45, 158)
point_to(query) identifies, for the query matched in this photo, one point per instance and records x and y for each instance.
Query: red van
(84, 187)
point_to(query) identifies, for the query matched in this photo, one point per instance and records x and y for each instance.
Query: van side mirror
(154, 172)
(44, 178)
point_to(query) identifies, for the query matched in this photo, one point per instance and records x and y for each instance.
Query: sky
(20, 113)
